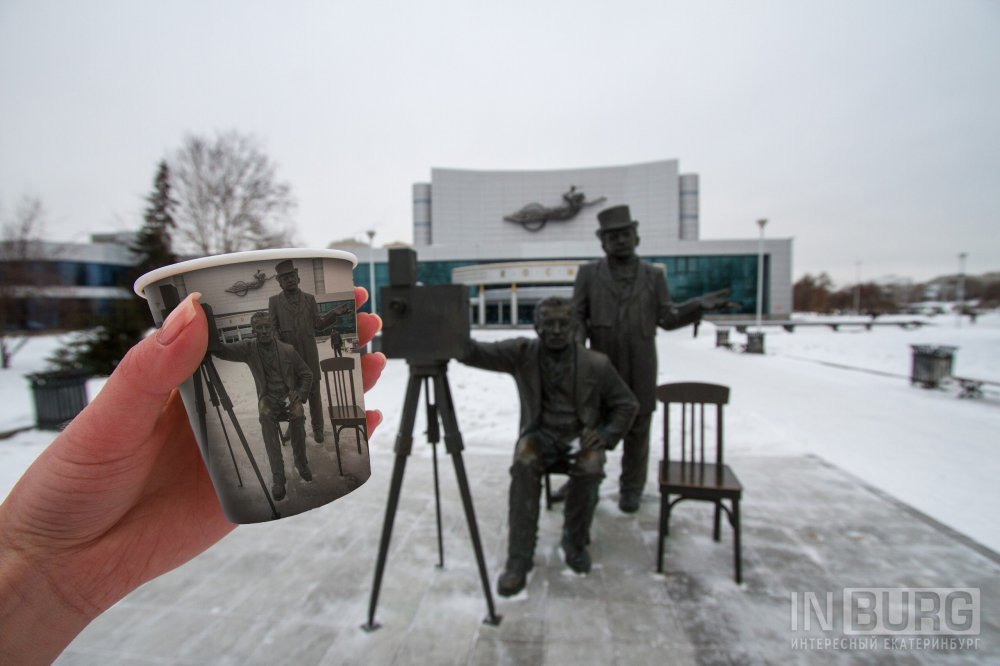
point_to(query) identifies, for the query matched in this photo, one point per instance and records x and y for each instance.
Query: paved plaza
(297, 591)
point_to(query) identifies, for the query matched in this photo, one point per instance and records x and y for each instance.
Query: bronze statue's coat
(630, 343)
(597, 383)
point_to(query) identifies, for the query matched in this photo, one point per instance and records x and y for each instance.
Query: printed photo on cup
(277, 404)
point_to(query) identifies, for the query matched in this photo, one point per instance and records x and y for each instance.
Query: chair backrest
(692, 398)
(341, 368)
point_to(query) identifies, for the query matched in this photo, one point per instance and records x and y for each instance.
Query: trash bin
(931, 364)
(59, 396)
(722, 336)
(755, 342)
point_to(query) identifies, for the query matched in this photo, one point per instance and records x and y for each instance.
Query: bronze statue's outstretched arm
(677, 315)
(322, 321)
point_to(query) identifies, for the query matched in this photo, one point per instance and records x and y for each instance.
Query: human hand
(591, 439)
(119, 497)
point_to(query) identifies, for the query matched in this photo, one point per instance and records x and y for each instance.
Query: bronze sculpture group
(620, 301)
(596, 396)
(284, 361)
(568, 393)
(297, 320)
(283, 382)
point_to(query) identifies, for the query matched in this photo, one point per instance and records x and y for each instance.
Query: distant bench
(790, 325)
(971, 387)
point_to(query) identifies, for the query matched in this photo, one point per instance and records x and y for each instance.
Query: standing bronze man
(297, 320)
(567, 392)
(282, 381)
(620, 300)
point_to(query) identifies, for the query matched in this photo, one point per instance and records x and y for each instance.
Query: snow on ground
(927, 448)
(844, 396)
(18, 412)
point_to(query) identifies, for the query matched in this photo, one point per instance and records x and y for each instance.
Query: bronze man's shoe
(577, 559)
(629, 501)
(318, 435)
(278, 491)
(305, 473)
(514, 577)
(511, 582)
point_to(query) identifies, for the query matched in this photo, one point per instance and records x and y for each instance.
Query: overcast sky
(868, 131)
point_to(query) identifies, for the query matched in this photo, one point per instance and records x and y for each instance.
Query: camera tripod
(208, 374)
(430, 373)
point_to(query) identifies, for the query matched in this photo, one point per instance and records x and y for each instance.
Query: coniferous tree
(153, 243)
(100, 349)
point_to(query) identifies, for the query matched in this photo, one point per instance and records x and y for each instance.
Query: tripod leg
(434, 436)
(227, 404)
(229, 445)
(214, 397)
(453, 444)
(201, 407)
(437, 505)
(404, 444)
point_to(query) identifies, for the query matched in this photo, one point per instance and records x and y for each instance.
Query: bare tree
(18, 236)
(228, 198)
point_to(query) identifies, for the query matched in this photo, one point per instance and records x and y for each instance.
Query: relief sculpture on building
(533, 216)
(241, 288)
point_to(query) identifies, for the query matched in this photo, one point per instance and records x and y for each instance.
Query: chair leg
(666, 520)
(548, 493)
(336, 445)
(663, 529)
(715, 529)
(737, 553)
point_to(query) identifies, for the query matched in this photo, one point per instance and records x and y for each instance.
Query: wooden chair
(342, 403)
(284, 416)
(693, 476)
(551, 499)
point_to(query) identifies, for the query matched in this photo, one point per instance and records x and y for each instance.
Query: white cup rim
(238, 257)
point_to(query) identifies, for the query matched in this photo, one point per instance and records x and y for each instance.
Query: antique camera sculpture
(422, 323)
(426, 325)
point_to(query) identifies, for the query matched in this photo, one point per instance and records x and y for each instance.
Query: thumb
(124, 413)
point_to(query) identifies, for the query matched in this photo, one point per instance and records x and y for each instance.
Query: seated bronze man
(567, 393)
(283, 381)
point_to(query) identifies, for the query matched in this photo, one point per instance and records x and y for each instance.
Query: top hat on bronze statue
(616, 217)
(286, 267)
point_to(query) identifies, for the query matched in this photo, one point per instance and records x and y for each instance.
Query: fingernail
(178, 320)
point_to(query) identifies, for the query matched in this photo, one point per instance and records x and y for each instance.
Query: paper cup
(277, 404)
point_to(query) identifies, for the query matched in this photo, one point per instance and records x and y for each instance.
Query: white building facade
(487, 229)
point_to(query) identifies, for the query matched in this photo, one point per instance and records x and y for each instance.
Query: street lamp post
(762, 222)
(960, 291)
(857, 287)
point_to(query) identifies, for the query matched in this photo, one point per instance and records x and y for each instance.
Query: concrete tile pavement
(297, 591)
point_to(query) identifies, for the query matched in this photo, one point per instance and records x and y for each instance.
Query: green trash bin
(59, 396)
